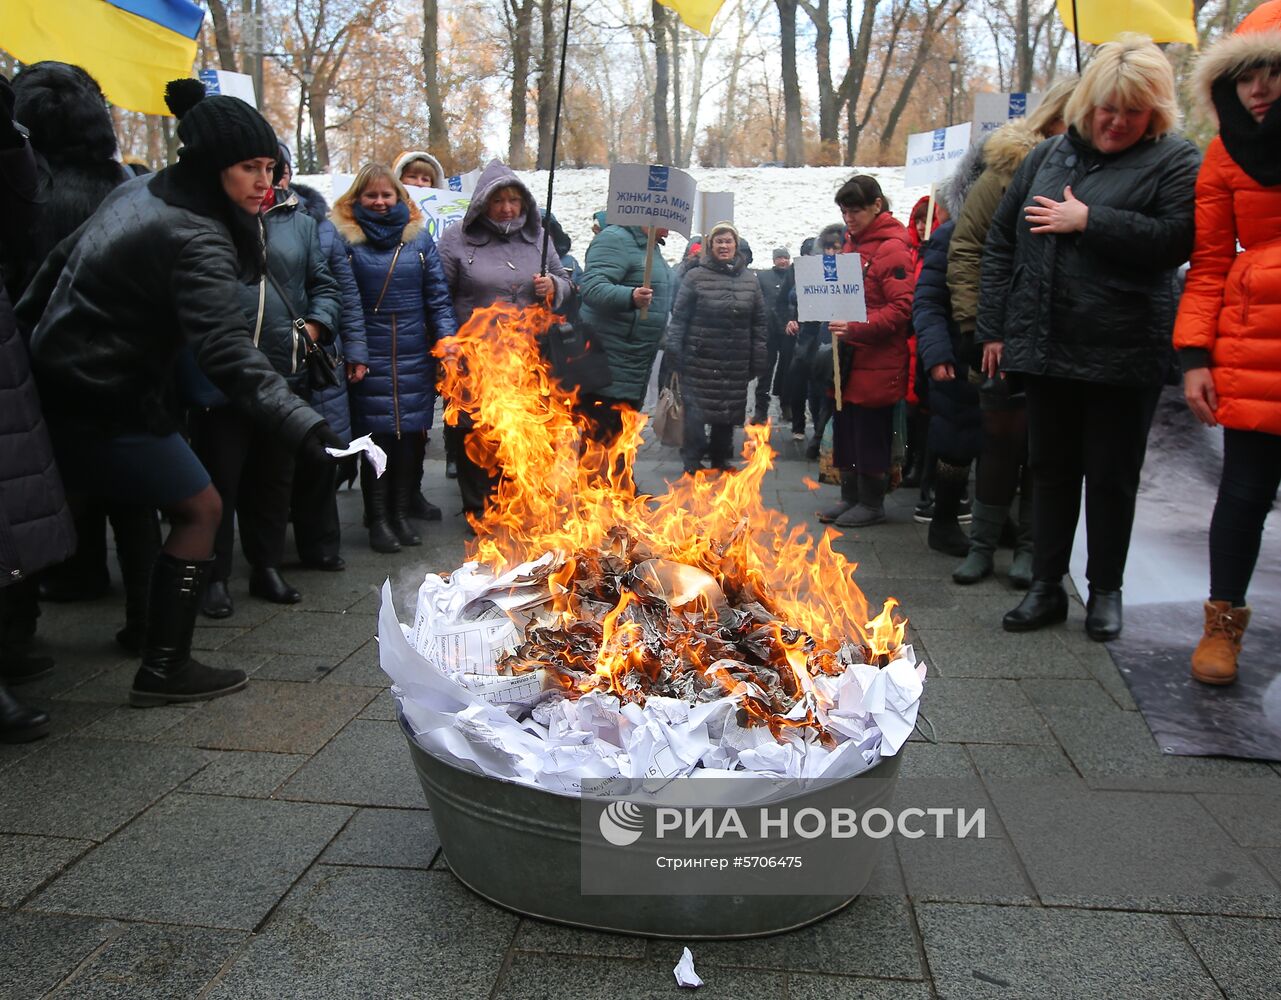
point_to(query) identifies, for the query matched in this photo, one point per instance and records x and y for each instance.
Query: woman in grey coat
(717, 340)
(495, 255)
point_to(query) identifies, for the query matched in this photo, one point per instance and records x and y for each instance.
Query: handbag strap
(262, 305)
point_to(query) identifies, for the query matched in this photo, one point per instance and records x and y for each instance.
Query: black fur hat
(64, 109)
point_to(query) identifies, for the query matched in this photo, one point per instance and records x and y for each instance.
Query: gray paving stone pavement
(276, 843)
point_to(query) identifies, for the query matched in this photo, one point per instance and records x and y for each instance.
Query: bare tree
(934, 18)
(222, 35)
(662, 64)
(793, 146)
(437, 128)
(547, 73)
(518, 16)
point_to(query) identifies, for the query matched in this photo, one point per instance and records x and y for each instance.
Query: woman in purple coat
(495, 255)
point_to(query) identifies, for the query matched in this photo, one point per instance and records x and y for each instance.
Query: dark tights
(1247, 490)
(1003, 457)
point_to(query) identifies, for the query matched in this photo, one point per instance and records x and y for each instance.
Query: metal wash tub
(519, 847)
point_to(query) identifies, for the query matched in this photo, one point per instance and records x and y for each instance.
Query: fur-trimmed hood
(406, 158)
(349, 229)
(1257, 41)
(313, 202)
(1001, 151)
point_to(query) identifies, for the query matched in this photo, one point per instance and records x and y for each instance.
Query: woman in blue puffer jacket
(407, 307)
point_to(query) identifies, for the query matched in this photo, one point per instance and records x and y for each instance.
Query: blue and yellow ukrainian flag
(131, 47)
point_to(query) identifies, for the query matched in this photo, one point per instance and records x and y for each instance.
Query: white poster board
(991, 111)
(830, 288)
(220, 81)
(711, 207)
(463, 183)
(440, 208)
(933, 156)
(648, 195)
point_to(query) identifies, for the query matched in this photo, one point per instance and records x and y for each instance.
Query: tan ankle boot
(1214, 661)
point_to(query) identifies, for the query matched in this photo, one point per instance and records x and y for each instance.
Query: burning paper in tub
(492, 677)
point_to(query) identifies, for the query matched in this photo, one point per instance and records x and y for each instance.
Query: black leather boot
(267, 583)
(168, 673)
(1103, 615)
(18, 722)
(1046, 603)
(216, 602)
(403, 484)
(137, 545)
(376, 492)
(946, 534)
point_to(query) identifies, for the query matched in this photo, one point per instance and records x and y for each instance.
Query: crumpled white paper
(376, 456)
(684, 971)
(523, 728)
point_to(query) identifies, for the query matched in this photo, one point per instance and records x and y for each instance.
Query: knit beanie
(217, 131)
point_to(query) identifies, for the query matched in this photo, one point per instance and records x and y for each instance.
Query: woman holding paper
(1078, 298)
(874, 357)
(1229, 327)
(406, 309)
(717, 342)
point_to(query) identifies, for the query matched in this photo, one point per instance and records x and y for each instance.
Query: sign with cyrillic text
(991, 111)
(440, 208)
(646, 195)
(830, 288)
(933, 156)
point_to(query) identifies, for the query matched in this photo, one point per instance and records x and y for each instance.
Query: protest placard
(463, 183)
(711, 207)
(992, 110)
(221, 81)
(647, 195)
(440, 208)
(830, 288)
(933, 156)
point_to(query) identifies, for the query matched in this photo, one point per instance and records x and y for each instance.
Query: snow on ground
(772, 205)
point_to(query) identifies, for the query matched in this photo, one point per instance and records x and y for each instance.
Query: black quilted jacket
(126, 292)
(1097, 305)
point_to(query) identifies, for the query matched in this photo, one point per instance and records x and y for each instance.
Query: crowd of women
(173, 323)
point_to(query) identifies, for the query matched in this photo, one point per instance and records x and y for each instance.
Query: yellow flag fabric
(1103, 20)
(698, 14)
(131, 57)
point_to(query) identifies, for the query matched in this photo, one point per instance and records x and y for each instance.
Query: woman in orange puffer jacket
(1229, 326)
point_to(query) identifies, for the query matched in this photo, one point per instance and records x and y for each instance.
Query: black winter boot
(849, 497)
(870, 508)
(376, 493)
(1046, 603)
(403, 484)
(945, 533)
(985, 532)
(137, 545)
(18, 722)
(168, 673)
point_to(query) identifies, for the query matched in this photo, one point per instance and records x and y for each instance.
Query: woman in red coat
(1229, 327)
(874, 372)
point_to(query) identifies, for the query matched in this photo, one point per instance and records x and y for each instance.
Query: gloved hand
(320, 437)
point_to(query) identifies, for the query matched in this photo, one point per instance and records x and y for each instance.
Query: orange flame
(524, 426)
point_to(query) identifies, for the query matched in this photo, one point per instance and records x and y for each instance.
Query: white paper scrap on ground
(377, 457)
(462, 707)
(684, 971)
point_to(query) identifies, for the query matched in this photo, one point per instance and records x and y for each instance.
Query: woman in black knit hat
(156, 270)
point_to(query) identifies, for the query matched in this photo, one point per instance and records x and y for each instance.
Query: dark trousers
(801, 390)
(314, 509)
(475, 484)
(718, 446)
(862, 438)
(1083, 430)
(1247, 491)
(253, 473)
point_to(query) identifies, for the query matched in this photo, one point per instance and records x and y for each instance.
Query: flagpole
(551, 167)
(1076, 37)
